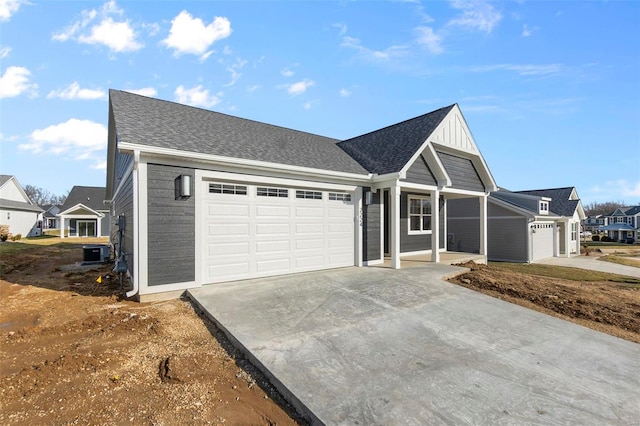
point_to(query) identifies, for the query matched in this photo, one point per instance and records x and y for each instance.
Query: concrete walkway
(592, 263)
(375, 346)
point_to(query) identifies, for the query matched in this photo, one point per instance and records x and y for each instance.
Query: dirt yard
(611, 307)
(73, 351)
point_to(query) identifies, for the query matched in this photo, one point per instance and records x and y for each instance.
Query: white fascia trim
(207, 175)
(417, 186)
(253, 164)
(162, 288)
(77, 206)
(391, 177)
(463, 192)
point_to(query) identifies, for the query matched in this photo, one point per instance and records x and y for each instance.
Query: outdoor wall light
(183, 186)
(368, 198)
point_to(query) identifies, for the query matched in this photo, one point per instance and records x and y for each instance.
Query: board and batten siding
(371, 223)
(462, 172)
(171, 227)
(123, 205)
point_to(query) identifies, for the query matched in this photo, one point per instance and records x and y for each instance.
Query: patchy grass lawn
(627, 260)
(561, 272)
(47, 240)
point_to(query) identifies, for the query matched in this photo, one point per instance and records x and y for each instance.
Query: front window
(419, 215)
(574, 231)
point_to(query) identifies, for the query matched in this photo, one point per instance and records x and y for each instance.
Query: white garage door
(542, 240)
(259, 230)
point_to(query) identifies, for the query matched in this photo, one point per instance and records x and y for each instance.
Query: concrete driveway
(365, 346)
(592, 263)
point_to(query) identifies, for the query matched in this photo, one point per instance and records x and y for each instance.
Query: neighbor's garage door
(254, 231)
(542, 240)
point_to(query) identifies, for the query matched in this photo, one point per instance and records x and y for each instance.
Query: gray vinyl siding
(463, 225)
(419, 172)
(409, 243)
(171, 227)
(462, 172)
(123, 161)
(371, 231)
(123, 205)
(507, 239)
(507, 233)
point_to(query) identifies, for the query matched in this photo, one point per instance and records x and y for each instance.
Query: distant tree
(595, 208)
(41, 196)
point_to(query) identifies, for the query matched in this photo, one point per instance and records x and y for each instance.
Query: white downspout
(136, 227)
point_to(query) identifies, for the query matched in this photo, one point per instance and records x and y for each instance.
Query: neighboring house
(593, 223)
(84, 213)
(203, 197)
(622, 224)
(524, 226)
(48, 218)
(16, 209)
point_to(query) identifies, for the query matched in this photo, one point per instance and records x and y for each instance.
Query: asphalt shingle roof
(19, 205)
(90, 196)
(153, 122)
(560, 202)
(4, 179)
(389, 149)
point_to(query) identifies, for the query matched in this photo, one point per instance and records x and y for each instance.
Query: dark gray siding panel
(463, 225)
(419, 172)
(506, 233)
(409, 243)
(462, 172)
(371, 223)
(171, 227)
(123, 206)
(123, 161)
(508, 239)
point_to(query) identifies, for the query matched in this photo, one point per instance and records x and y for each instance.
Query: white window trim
(418, 197)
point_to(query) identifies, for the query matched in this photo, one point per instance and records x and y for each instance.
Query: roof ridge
(401, 122)
(234, 117)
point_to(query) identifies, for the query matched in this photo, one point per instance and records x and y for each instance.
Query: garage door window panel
(219, 188)
(272, 192)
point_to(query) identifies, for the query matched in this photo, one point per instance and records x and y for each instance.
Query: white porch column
(483, 224)
(98, 227)
(435, 226)
(556, 239)
(567, 239)
(394, 247)
(62, 224)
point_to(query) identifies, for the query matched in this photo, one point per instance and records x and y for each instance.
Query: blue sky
(550, 90)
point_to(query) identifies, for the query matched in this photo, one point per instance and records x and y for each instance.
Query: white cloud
(8, 8)
(227, 50)
(196, 96)
(73, 91)
(526, 31)
(300, 87)
(15, 81)
(476, 15)
(190, 35)
(235, 71)
(429, 39)
(79, 139)
(144, 91)
(307, 105)
(4, 51)
(526, 70)
(99, 165)
(118, 36)
(342, 28)
(287, 72)
(345, 93)
(615, 189)
(253, 88)
(374, 55)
